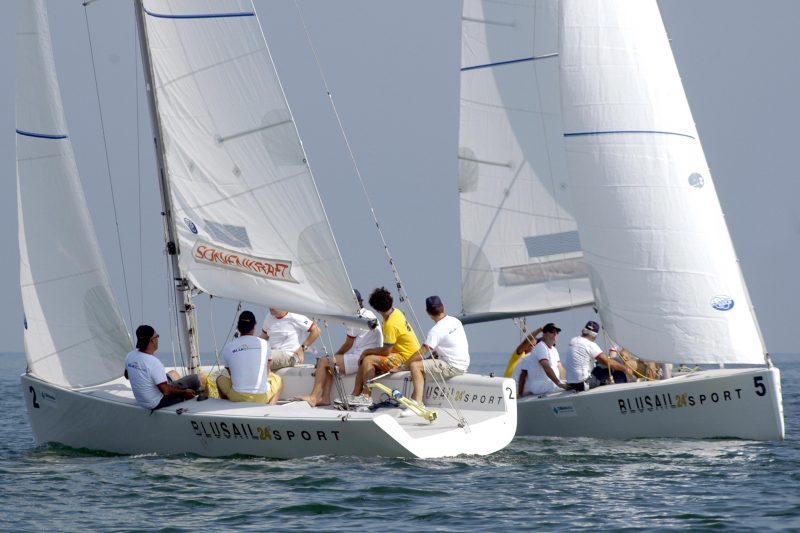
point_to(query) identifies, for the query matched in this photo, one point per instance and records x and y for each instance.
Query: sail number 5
(758, 383)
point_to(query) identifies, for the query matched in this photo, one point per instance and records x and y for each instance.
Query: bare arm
(551, 374)
(528, 342)
(523, 376)
(384, 351)
(346, 345)
(613, 364)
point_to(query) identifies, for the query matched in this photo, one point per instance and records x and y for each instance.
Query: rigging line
(108, 169)
(398, 281)
(404, 298)
(136, 57)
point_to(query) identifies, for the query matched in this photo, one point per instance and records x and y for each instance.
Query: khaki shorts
(437, 366)
(226, 387)
(282, 359)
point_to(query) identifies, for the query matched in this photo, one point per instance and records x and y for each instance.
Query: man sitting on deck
(581, 356)
(399, 342)
(538, 373)
(283, 330)
(447, 340)
(247, 360)
(346, 357)
(149, 382)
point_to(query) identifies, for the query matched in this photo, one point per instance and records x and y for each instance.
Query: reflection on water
(536, 483)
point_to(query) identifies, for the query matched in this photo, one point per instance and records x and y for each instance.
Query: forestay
(74, 332)
(662, 265)
(250, 221)
(520, 251)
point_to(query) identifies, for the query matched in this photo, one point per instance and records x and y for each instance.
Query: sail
(74, 332)
(520, 251)
(665, 276)
(250, 222)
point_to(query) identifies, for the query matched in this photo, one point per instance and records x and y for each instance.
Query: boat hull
(737, 403)
(105, 418)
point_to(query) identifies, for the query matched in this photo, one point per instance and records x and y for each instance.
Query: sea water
(543, 484)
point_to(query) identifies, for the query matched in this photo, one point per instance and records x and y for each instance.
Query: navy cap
(550, 327)
(433, 302)
(247, 321)
(592, 326)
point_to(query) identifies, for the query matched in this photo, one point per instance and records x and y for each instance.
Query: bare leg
(366, 370)
(325, 396)
(315, 398)
(418, 379)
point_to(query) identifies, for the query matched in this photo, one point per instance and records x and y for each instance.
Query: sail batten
(519, 249)
(662, 265)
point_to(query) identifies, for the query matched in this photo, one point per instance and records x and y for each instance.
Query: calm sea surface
(544, 484)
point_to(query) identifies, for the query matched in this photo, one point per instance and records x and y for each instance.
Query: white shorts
(351, 362)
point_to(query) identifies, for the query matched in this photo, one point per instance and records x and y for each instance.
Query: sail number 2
(33, 391)
(758, 383)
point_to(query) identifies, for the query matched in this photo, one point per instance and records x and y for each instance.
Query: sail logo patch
(191, 225)
(274, 269)
(722, 303)
(697, 180)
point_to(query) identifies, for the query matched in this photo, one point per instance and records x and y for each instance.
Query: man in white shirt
(581, 356)
(283, 330)
(347, 356)
(447, 341)
(538, 371)
(247, 360)
(149, 382)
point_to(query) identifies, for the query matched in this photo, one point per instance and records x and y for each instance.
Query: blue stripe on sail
(509, 62)
(201, 16)
(584, 133)
(40, 135)
(552, 244)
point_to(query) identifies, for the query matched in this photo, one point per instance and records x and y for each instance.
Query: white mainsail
(74, 332)
(520, 251)
(250, 222)
(663, 269)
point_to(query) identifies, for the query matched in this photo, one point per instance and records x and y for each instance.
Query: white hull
(738, 403)
(106, 418)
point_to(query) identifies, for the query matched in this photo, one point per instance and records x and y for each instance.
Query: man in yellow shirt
(399, 341)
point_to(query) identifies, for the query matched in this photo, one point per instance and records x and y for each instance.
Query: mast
(187, 336)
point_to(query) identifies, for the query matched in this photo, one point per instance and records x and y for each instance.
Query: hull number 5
(758, 383)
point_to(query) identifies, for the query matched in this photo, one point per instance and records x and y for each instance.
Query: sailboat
(581, 100)
(242, 219)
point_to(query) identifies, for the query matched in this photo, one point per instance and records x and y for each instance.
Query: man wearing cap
(283, 330)
(581, 356)
(151, 386)
(538, 371)
(247, 360)
(347, 356)
(399, 341)
(447, 341)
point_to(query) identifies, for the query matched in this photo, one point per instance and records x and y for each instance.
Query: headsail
(520, 251)
(74, 332)
(250, 222)
(663, 268)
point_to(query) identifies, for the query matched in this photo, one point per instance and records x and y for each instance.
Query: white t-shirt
(579, 359)
(246, 357)
(448, 338)
(537, 381)
(364, 339)
(145, 372)
(285, 333)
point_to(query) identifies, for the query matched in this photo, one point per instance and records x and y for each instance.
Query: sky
(393, 71)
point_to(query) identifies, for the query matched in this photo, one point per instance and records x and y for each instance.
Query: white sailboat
(243, 220)
(663, 272)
